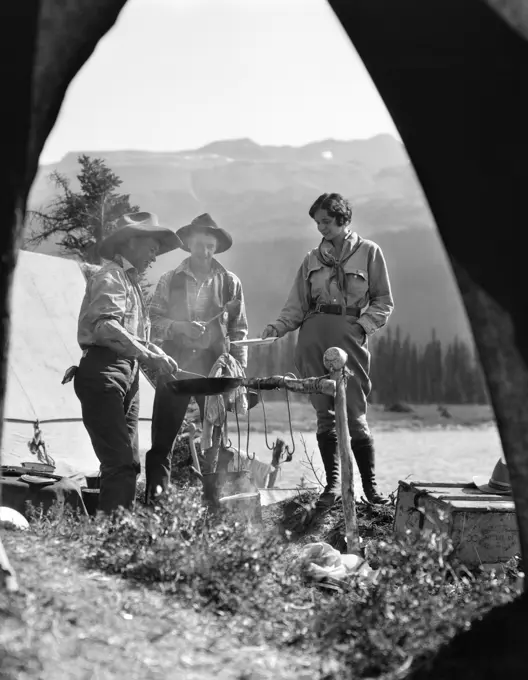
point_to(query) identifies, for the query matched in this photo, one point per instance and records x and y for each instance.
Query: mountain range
(261, 195)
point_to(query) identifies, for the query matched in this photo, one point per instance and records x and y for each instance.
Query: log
(321, 385)
(335, 361)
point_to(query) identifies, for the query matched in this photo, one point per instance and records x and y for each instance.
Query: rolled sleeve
(297, 304)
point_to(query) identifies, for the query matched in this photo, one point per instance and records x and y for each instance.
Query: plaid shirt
(113, 312)
(199, 296)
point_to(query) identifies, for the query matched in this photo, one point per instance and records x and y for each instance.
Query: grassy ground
(74, 623)
(145, 597)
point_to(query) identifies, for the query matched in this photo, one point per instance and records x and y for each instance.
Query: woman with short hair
(340, 296)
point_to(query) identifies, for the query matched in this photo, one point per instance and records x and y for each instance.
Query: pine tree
(80, 220)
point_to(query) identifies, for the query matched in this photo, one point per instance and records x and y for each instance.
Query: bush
(420, 599)
(209, 560)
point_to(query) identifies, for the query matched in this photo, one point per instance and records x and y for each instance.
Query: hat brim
(223, 238)
(167, 239)
(482, 484)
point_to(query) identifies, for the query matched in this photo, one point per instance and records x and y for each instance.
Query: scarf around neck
(337, 264)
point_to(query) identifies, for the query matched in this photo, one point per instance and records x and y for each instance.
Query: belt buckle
(318, 307)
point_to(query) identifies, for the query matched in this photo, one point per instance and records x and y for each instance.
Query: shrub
(210, 560)
(419, 601)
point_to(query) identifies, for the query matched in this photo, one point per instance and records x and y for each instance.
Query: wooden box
(483, 527)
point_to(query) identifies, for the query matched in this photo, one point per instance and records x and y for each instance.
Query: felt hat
(205, 224)
(498, 483)
(138, 224)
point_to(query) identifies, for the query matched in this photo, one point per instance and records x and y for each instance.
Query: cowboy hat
(205, 223)
(138, 224)
(498, 483)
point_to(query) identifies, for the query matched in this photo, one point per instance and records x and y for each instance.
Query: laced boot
(327, 442)
(365, 458)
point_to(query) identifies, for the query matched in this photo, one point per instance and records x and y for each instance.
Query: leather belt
(85, 350)
(337, 309)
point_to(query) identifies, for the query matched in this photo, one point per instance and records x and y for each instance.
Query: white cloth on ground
(320, 562)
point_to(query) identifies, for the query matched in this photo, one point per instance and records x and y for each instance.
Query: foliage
(80, 220)
(244, 575)
(420, 601)
(402, 371)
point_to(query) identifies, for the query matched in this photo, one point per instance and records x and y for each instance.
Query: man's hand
(191, 329)
(161, 363)
(155, 349)
(269, 332)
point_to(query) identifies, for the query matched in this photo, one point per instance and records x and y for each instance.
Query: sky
(178, 74)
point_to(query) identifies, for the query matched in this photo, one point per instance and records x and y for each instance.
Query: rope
(247, 438)
(238, 434)
(289, 414)
(270, 448)
(227, 440)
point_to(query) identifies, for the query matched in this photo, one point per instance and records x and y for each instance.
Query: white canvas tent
(46, 297)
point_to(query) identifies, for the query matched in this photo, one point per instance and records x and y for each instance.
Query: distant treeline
(401, 370)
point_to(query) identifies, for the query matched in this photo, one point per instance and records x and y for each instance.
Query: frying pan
(205, 387)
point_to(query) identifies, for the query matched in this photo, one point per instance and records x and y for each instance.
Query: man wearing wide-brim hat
(114, 334)
(197, 310)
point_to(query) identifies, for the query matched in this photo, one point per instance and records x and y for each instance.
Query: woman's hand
(269, 332)
(358, 333)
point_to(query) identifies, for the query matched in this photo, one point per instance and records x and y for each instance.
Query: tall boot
(365, 458)
(327, 442)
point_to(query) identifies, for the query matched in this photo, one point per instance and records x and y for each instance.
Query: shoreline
(378, 427)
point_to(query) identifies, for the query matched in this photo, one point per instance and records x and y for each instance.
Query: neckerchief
(337, 265)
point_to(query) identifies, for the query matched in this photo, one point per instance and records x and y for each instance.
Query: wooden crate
(483, 527)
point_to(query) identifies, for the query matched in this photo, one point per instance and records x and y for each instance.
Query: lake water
(432, 455)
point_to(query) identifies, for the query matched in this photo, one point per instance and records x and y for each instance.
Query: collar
(185, 268)
(349, 242)
(124, 263)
